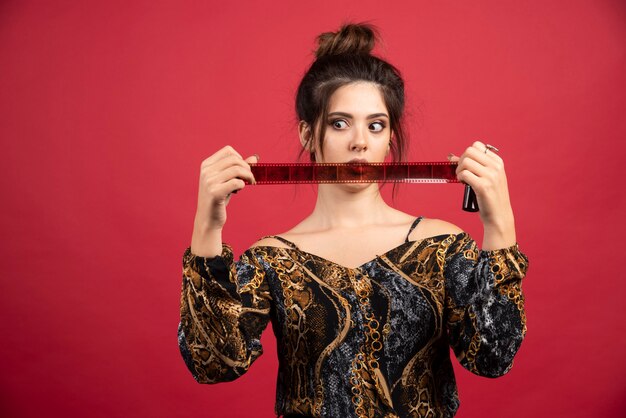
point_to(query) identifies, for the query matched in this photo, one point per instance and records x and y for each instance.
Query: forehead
(358, 97)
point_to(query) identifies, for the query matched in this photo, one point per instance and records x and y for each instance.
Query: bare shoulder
(269, 242)
(294, 234)
(430, 227)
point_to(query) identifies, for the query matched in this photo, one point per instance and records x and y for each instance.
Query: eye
(339, 123)
(377, 126)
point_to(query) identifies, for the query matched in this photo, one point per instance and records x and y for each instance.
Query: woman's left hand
(483, 170)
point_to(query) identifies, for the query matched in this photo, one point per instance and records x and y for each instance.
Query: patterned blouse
(371, 341)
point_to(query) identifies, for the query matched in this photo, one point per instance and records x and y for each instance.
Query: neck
(338, 206)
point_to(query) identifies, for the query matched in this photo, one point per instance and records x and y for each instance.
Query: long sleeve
(484, 305)
(224, 308)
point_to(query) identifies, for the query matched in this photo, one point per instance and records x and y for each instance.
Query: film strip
(406, 172)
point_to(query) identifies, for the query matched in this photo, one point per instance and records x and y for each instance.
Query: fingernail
(450, 156)
(257, 157)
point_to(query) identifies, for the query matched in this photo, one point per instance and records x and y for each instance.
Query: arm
(221, 175)
(483, 169)
(484, 305)
(224, 308)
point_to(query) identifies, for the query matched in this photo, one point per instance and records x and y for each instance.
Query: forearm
(206, 241)
(500, 234)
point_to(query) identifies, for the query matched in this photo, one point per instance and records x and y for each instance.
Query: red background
(108, 108)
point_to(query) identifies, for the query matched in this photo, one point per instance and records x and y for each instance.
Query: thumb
(253, 159)
(453, 158)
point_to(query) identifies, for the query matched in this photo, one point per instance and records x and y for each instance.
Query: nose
(359, 141)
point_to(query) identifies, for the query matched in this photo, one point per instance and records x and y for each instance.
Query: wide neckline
(324, 259)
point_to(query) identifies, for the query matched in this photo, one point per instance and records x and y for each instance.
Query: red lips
(356, 167)
(358, 161)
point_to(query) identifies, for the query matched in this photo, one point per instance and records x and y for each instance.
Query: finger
(453, 158)
(473, 166)
(483, 154)
(233, 172)
(235, 185)
(231, 186)
(488, 158)
(493, 166)
(220, 154)
(480, 146)
(467, 177)
(225, 163)
(253, 159)
(480, 157)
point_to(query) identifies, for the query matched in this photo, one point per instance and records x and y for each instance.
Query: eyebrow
(347, 115)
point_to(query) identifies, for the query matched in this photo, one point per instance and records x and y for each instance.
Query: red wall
(108, 108)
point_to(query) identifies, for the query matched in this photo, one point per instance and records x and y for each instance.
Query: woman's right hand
(221, 174)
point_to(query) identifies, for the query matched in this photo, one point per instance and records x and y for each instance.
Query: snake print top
(371, 341)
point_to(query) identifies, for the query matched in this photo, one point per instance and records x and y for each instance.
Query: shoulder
(269, 241)
(430, 227)
(284, 239)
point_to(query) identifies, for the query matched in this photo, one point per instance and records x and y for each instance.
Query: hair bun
(351, 38)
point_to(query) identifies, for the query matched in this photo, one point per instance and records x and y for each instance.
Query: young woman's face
(357, 127)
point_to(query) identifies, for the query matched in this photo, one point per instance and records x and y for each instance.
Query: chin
(356, 187)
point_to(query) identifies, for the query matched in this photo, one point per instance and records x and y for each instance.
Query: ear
(304, 130)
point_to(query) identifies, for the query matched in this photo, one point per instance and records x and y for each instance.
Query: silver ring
(490, 148)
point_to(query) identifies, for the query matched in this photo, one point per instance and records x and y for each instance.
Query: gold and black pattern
(371, 341)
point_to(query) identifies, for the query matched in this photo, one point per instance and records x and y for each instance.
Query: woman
(364, 300)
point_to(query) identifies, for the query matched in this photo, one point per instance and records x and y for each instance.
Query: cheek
(383, 150)
(333, 150)
(327, 152)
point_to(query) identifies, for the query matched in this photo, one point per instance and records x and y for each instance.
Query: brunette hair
(344, 57)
